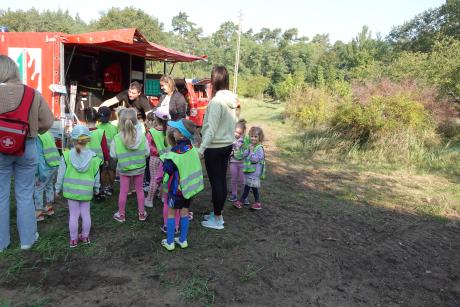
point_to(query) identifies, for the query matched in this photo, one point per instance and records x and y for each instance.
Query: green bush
(310, 106)
(382, 117)
(252, 86)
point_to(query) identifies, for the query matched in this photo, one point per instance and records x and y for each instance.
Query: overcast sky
(342, 19)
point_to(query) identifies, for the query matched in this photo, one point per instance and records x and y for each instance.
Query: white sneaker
(213, 223)
(210, 216)
(148, 204)
(26, 247)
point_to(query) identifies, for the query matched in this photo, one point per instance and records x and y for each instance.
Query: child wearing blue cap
(183, 178)
(78, 176)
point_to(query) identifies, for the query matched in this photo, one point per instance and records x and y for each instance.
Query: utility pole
(237, 55)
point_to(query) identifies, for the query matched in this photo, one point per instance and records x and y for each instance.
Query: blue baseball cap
(80, 132)
(179, 125)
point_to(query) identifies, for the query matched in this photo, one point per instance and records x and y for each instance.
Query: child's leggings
(77, 209)
(124, 187)
(48, 187)
(154, 165)
(236, 172)
(255, 191)
(165, 212)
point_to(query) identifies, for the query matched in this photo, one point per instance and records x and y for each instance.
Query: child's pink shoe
(119, 217)
(73, 243)
(142, 216)
(237, 204)
(84, 240)
(256, 206)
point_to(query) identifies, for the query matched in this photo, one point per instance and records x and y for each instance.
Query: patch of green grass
(52, 244)
(5, 302)
(250, 272)
(196, 288)
(13, 270)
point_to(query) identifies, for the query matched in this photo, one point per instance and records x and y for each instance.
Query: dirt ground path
(305, 248)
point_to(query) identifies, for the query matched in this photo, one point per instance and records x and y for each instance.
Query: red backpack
(14, 125)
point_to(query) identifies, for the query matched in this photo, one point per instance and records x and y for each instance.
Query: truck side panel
(38, 57)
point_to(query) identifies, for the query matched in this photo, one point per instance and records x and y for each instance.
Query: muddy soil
(305, 248)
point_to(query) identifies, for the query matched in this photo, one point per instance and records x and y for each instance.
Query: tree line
(273, 61)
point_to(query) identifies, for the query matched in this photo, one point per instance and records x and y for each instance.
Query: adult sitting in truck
(131, 98)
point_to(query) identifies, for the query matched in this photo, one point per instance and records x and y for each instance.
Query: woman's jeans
(22, 170)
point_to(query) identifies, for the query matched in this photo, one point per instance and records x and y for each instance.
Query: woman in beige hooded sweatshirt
(217, 139)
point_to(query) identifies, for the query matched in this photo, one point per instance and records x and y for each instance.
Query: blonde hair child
(130, 149)
(253, 167)
(78, 178)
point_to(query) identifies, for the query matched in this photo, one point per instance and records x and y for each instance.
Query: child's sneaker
(181, 244)
(232, 198)
(246, 202)
(213, 223)
(169, 247)
(39, 216)
(73, 243)
(148, 203)
(49, 210)
(190, 215)
(142, 216)
(99, 197)
(84, 240)
(256, 206)
(119, 217)
(237, 204)
(108, 191)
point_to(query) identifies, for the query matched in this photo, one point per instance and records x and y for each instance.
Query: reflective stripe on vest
(129, 159)
(159, 140)
(95, 143)
(78, 185)
(238, 155)
(50, 151)
(190, 172)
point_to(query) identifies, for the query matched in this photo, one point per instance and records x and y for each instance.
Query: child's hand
(56, 195)
(106, 163)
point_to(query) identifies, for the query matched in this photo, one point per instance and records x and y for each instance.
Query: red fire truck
(74, 71)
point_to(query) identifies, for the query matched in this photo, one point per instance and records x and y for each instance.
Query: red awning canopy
(131, 41)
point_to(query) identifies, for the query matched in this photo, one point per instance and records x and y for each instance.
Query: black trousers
(216, 161)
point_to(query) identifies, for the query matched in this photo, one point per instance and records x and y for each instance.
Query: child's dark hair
(153, 119)
(257, 131)
(191, 127)
(90, 115)
(241, 124)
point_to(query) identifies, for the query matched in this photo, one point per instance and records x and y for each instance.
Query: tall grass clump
(385, 122)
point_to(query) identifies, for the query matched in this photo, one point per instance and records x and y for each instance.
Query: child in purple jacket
(253, 168)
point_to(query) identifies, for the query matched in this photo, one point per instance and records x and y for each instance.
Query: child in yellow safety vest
(156, 138)
(130, 148)
(108, 172)
(98, 143)
(78, 178)
(183, 179)
(253, 168)
(236, 159)
(48, 162)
